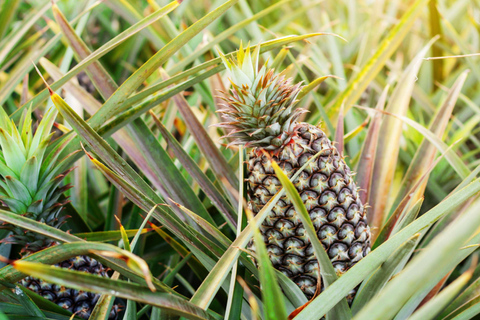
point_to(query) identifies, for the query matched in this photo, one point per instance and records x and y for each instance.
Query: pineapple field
(240, 159)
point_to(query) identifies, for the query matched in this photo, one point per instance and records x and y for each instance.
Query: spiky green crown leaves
(260, 107)
(30, 178)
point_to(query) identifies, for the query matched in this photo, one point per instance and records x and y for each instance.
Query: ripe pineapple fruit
(30, 185)
(260, 111)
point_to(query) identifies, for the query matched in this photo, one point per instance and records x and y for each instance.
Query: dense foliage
(156, 195)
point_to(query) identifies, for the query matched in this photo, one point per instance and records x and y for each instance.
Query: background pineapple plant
(407, 125)
(32, 187)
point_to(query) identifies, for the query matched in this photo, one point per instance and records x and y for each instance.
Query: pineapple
(30, 185)
(261, 114)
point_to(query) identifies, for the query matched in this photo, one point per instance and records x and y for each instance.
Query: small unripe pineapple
(260, 110)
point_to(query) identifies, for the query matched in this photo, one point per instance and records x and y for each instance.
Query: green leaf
(367, 157)
(127, 10)
(143, 148)
(217, 161)
(435, 258)
(45, 304)
(388, 46)
(17, 294)
(82, 248)
(204, 182)
(100, 52)
(87, 282)
(312, 85)
(114, 104)
(407, 210)
(13, 155)
(433, 307)
(12, 311)
(105, 236)
(29, 174)
(10, 41)
(465, 300)
(136, 139)
(388, 145)
(383, 274)
(223, 36)
(425, 154)
(101, 147)
(340, 288)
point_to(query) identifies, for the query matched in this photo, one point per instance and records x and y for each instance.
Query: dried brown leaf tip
(44, 81)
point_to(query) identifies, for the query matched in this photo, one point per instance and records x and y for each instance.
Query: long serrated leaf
(155, 98)
(136, 139)
(146, 204)
(340, 288)
(423, 266)
(235, 292)
(223, 36)
(204, 182)
(367, 158)
(142, 147)
(99, 76)
(100, 146)
(87, 282)
(455, 161)
(7, 12)
(389, 143)
(195, 265)
(408, 207)
(44, 304)
(65, 251)
(16, 36)
(218, 163)
(468, 313)
(312, 85)
(339, 133)
(127, 10)
(388, 46)
(379, 279)
(216, 65)
(112, 235)
(425, 154)
(29, 307)
(210, 229)
(469, 297)
(25, 66)
(113, 105)
(100, 52)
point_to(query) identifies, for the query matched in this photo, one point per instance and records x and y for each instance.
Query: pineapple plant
(31, 186)
(260, 112)
(139, 92)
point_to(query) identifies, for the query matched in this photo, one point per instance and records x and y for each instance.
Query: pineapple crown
(30, 178)
(260, 107)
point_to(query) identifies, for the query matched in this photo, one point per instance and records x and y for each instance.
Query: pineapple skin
(79, 302)
(330, 196)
